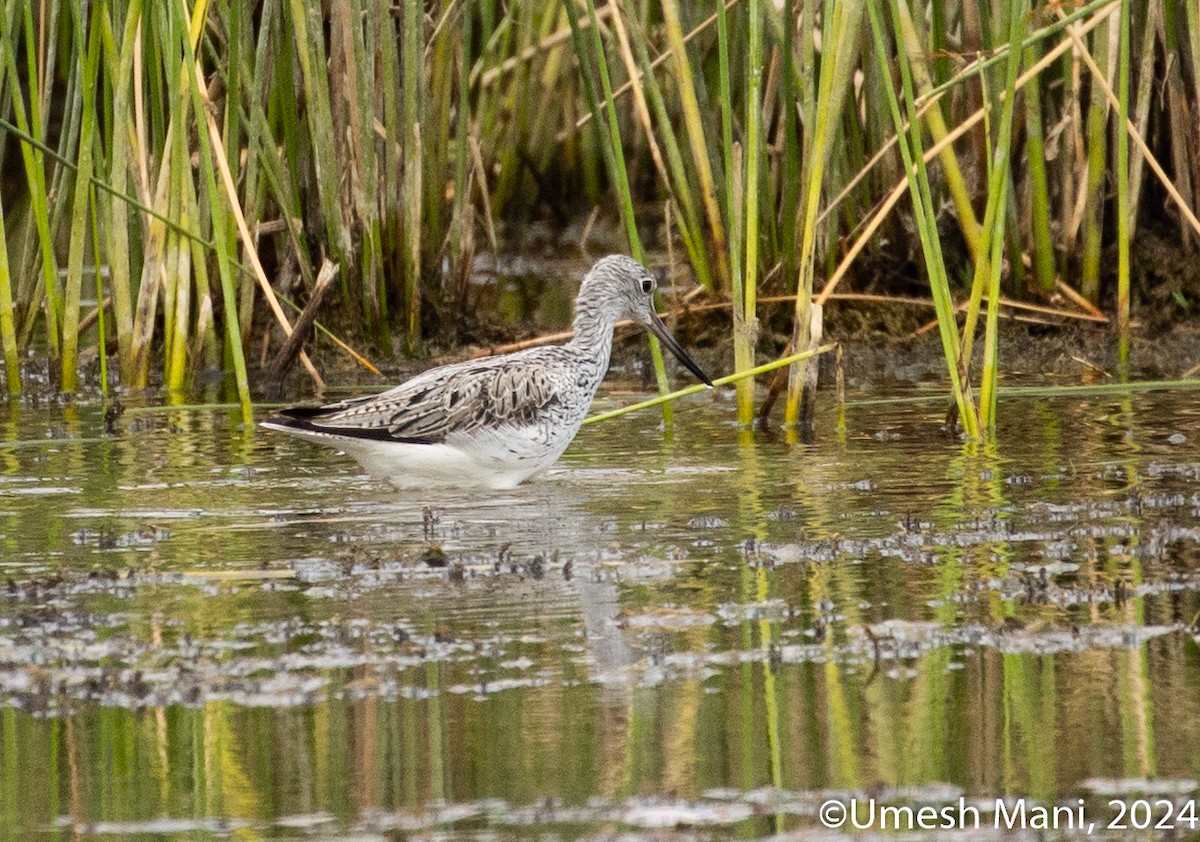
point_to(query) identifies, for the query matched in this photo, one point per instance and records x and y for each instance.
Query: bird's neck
(593, 335)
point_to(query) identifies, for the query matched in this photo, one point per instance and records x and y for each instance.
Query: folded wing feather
(438, 404)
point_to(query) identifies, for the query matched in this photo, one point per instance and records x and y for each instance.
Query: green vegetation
(205, 157)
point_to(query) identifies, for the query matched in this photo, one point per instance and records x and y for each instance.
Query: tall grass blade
(614, 154)
(679, 183)
(918, 182)
(225, 247)
(307, 26)
(98, 276)
(1096, 175)
(1146, 94)
(460, 218)
(82, 196)
(115, 210)
(412, 47)
(735, 244)
(8, 328)
(840, 41)
(744, 217)
(35, 176)
(914, 59)
(1039, 186)
(791, 142)
(694, 125)
(1123, 199)
(987, 271)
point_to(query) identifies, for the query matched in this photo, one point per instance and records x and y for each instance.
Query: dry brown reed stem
(639, 97)
(1091, 366)
(222, 162)
(554, 39)
(864, 297)
(93, 316)
(484, 198)
(693, 122)
(1078, 300)
(1011, 303)
(1099, 79)
(221, 159)
(901, 187)
(304, 324)
(635, 79)
(1027, 307)
(566, 335)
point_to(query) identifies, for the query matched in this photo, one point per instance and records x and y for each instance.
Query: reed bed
(174, 172)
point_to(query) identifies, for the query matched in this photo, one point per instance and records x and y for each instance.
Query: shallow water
(698, 633)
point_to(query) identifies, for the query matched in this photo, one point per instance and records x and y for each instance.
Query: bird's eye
(647, 285)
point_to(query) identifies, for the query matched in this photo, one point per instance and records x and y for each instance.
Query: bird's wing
(441, 403)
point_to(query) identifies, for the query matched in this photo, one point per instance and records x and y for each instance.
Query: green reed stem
(307, 26)
(35, 177)
(225, 245)
(1097, 146)
(679, 185)
(8, 330)
(82, 195)
(117, 206)
(1039, 187)
(1123, 220)
(362, 79)
(1147, 92)
(615, 156)
(840, 33)
(412, 46)
(176, 314)
(745, 335)
(459, 218)
(104, 186)
(720, 381)
(913, 57)
(918, 184)
(619, 174)
(985, 64)
(754, 161)
(1192, 34)
(987, 269)
(789, 96)
(735, 245)
(99, 279)
(694, 126)
(990, 375)
(436, 73)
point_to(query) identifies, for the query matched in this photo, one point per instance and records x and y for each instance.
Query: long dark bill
(660, 330)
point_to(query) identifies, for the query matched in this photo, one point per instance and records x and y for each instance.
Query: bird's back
(503, 418)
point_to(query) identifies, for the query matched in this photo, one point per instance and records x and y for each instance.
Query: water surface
(697, 633)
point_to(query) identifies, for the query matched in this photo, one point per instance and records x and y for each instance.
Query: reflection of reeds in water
(205, 158)
(741, 706)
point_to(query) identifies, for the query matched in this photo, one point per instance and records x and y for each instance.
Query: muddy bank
(887, 344)
(516, 298)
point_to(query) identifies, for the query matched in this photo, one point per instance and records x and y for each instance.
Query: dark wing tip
(302, 413)
(294, 418)
(308, 419)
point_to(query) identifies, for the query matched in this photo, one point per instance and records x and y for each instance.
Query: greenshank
(498, 421)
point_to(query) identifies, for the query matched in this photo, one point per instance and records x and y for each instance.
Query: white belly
(496, 459)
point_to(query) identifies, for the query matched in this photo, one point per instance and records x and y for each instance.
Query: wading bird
(498, 421)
